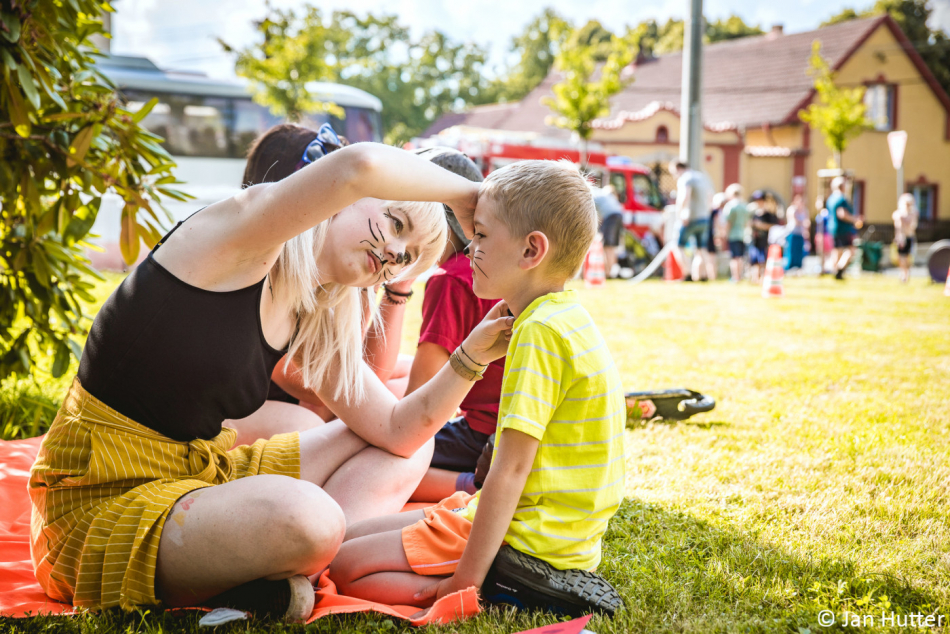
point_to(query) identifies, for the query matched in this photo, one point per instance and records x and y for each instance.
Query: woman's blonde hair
(329, 330)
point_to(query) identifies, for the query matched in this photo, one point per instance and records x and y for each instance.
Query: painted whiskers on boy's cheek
(373, 245)
(478, 255)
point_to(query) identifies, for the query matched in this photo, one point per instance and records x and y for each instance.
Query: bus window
(646, 192)
(619, 181)
(361, 124)
(191, 126)
(249, 120)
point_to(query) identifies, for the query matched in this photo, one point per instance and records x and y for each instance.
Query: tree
(292, 53)
(536, 48)
(65, 140)
(416, 79)
(578, 98)
(913, 16)
(653, 39)
(840, 113)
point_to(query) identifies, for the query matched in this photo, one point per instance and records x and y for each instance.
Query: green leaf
(80, 145)
(18, 114)
(144, 110)
(129, 237)
(61, 361)
(26, 82)
(12, 22)
(8, 59)
(41, 268)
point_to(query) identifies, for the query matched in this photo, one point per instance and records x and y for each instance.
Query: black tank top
(176, 358)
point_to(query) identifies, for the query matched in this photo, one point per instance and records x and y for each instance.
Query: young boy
(557, 472)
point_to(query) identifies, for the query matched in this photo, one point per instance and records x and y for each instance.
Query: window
(662, 134)
(879, 99)
(646, 192)
(858, 197)
(926, 198)
(619, 181)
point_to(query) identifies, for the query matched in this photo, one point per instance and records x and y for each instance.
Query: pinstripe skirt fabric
(102, 486)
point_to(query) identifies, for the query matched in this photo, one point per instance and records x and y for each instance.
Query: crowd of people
(712, 222)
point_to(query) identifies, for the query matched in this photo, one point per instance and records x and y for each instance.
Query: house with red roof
(753, 91)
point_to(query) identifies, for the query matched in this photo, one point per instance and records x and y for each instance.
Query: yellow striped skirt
(102, 486)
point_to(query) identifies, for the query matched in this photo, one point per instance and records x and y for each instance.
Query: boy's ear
(534, 249)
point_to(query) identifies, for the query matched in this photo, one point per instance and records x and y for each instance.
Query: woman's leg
(264, 526)
(274, 417)
(275, 527)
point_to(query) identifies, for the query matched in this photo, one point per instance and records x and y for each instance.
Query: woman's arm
(402, 427)
(234, 243)
(429, 359)
(382, 348)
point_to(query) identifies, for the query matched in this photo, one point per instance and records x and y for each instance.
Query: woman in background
(905, 232)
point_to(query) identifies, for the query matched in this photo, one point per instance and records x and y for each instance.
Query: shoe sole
(572, 592)
(301, 600)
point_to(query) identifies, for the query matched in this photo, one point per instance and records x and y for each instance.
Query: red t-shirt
(450, 311)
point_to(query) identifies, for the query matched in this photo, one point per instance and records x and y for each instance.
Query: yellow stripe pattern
(562, 387)
(102, 486)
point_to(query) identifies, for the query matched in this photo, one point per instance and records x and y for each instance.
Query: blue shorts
(737, 248)
(757, 255)
(458, 446)
(698, 229)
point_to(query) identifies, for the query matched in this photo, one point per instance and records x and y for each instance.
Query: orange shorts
(434, 545)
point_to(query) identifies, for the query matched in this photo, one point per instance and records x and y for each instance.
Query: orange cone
(774, 272)
(946, 289)
(594, 274)
(671, 270)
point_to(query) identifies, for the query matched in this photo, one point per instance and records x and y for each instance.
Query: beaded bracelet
(397, 293)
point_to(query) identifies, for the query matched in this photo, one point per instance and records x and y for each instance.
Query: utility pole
(691, 120)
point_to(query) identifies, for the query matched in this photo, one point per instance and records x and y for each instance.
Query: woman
(272, 157)
(797, 233)
(905, 232)
(190, 339)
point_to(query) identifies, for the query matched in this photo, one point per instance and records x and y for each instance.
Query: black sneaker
(289, 600)
(527, 582)
(839, 275)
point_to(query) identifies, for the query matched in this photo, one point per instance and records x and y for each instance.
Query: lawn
(821, 481)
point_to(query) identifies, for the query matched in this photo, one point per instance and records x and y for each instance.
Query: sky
(182, 34)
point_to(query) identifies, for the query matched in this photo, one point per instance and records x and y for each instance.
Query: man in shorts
(694, 194)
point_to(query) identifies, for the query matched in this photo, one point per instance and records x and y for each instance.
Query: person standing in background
(694, 194)
(736, 217)
(824, 243)
(763, 219)
(905, 232)
(797, 224)
(843, 225)
(610, 214)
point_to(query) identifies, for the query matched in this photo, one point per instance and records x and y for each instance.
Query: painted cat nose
(467, 251)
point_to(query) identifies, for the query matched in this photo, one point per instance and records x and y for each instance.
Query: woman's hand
(464, 208)
(489, 340)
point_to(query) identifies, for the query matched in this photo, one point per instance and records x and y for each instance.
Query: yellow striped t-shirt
(562, 387)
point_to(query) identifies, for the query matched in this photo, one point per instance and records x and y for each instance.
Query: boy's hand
(436, 591)
(489, 340)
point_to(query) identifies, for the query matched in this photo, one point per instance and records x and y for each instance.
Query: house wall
(919, 112)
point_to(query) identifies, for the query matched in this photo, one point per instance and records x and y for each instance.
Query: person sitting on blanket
(557, 471)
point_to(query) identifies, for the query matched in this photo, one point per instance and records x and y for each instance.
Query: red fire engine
(636, 187)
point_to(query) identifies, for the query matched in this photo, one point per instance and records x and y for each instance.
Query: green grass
(820, 481)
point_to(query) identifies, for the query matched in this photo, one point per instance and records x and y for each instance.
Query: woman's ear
(535, 249)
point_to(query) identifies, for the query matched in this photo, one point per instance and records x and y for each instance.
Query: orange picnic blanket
(21, 595)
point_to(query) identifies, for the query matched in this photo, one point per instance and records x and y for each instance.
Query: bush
(65, 140)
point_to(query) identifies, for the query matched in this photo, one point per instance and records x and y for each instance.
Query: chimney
(778, 29)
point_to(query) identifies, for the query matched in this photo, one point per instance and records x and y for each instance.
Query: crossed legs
(274, 527)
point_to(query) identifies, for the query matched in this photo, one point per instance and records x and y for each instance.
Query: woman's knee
(313, 522)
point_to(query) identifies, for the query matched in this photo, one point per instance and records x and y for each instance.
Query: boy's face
(494, 253)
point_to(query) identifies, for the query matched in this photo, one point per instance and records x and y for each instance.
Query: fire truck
(635, 185)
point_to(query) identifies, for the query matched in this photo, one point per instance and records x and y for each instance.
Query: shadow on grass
(679, 573)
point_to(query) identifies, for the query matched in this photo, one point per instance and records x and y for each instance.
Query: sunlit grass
(820, 481)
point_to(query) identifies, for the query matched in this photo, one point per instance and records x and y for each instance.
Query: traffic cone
(774, 272)
(594, 273)
(946, 289)
(671, 270)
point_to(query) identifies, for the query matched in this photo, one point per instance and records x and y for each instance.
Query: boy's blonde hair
(551, 197)
(329, 332)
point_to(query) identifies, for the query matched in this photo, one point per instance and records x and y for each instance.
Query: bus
(208, 125)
